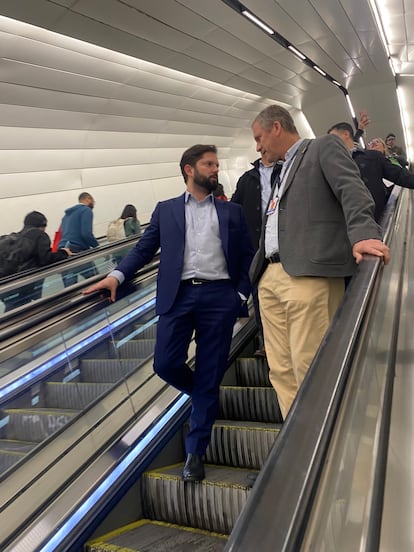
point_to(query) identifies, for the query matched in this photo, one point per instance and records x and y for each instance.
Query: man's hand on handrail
(110, 283)
(371, 247)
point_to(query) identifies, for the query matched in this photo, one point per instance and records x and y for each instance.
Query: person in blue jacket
(203, 285)
(77, 235)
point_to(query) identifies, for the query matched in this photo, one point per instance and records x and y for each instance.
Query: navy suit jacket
(167, 231)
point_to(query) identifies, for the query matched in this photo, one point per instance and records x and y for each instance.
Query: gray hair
(273, 113)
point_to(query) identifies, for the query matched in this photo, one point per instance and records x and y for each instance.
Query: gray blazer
(325, 207)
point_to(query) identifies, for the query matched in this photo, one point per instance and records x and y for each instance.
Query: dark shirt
(374, 166)
(42, 252)
(248, 194)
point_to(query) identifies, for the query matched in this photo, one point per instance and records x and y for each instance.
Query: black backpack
(16, 252)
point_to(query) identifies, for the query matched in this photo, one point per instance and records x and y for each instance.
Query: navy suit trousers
(210, 310)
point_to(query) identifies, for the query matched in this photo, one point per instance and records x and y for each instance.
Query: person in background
(317, 226)
(127, 225)
(397, 151)
(77, 234)
(203, 285)
(124, 226)
(132, 225)
(373, 167)
(252, 193)
(219, 192)
(77, 225)
(378, 144)
(39, 254)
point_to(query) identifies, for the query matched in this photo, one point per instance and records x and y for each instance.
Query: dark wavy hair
(193, 154)
(129, 211)
(342, 127)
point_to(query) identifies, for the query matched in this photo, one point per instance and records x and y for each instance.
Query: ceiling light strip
(403, 114)
(401, 101)
(297, 52)
(257, 21)
(380, 26)
(242, 10)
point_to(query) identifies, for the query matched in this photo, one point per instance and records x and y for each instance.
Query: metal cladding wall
(77, 117)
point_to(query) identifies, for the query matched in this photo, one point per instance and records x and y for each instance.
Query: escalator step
(252, 372)
(213, 504)
(34, 424)
(155, 536)
(136, 348)
(74, 395)
(241, 444)
(108, 370)
(149, 333)
(8, 445)
(13, 451)
(8, 459)
(257, 404)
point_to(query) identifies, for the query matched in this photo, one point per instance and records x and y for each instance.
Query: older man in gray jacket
(318, 224)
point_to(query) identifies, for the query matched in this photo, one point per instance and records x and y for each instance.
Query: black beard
(209, 184)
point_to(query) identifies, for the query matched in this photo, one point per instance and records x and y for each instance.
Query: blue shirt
(265, 183)
(271, 230)
(203, 252)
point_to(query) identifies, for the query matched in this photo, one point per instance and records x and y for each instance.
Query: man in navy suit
(203, 285)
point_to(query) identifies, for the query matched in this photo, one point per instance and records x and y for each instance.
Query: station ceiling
(211, 40)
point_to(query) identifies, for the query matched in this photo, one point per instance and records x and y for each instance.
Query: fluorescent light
(351, 107)
(319, 70)
(258, 22)
(296, 52)
(337, 83)
(404, 118)
(378, 21)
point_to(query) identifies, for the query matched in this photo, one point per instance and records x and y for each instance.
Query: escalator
(45, 282)
(63, 372)
(32, 417)
(185, 516)
(68, 372)
(143, 461)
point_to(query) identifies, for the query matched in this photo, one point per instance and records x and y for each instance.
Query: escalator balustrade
(39, 412)
(180, 516)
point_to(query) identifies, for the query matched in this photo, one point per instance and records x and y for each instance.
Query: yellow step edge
(249, 428)
(160, 475)
(247, 387)
(11, 441)
(101, 541)
(13, 452)
(40, 411)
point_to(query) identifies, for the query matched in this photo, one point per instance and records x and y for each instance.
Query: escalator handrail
(28, 316)
(15, 280)
(279, 506)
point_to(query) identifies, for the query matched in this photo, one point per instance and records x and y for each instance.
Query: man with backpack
(29, 248)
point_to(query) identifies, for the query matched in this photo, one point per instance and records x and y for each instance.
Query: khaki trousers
(296, 312)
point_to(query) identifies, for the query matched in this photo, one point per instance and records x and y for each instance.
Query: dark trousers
(255, 296)
(210, 310)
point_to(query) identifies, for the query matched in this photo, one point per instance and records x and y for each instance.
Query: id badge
(272, 206)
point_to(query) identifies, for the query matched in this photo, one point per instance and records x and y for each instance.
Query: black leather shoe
(193, 468)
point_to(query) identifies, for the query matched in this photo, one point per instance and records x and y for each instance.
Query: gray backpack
(116, 230)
